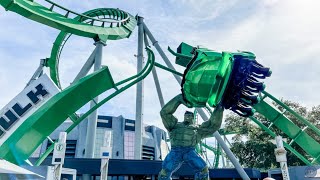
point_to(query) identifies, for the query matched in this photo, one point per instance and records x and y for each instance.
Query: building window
(104, 121)
(70, 149)
(129, 125)
(100, 138)
(129, 144)
(148, 152)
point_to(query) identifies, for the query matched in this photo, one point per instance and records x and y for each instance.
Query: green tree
(253, 146)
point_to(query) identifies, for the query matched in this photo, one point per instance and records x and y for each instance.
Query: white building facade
(154, 146)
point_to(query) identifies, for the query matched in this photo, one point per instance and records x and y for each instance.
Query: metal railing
(116, 17)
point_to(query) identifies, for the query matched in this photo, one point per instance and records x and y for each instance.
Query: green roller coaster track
(48, 117)
(62, 38)
(112, 24)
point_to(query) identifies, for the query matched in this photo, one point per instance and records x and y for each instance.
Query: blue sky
(284, 35)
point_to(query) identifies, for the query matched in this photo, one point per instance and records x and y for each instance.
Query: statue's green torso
(184, 135)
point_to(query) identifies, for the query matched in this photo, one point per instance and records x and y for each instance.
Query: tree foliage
(253, 146)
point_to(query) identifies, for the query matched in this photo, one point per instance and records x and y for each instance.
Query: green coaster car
(212, 77)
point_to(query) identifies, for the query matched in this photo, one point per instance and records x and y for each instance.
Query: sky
(284, 35)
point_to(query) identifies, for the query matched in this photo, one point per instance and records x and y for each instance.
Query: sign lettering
(14, 113)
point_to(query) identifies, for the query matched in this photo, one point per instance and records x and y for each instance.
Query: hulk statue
(184, 136)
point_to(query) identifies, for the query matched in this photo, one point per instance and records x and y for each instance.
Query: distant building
(154, 146)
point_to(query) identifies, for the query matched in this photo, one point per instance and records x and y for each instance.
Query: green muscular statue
(184, 137)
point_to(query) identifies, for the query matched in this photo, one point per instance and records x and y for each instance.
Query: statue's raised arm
(207, 128)
(168, 119)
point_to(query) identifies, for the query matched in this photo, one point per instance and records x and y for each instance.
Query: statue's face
(188, 118)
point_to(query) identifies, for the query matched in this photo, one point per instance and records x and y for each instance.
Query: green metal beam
(299, 117)
(168, 69)
(265, 128)
(37, 127)
(282, 122)
(116, 25)
(140, 76)
(63, 37)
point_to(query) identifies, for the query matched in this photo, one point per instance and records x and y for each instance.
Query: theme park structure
(210, 77)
